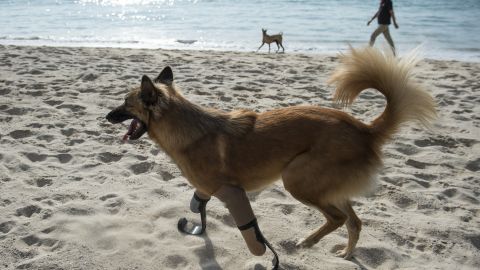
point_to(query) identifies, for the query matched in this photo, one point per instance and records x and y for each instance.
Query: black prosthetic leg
(239, 206)
(197, 205)
(261, 239)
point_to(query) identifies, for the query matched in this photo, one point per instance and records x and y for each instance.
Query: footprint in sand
(20, 134)
(73, 142)
(47, 138)
(68, 132)
(113, 203)
(417, 164)
(406, 149)
(289, 246)
(34, 240)
(34, 157)
(64, 158)
(401, 200)
(162, 193)
(18, 111)
(72, 107)
(49, 230)
(34, 93)
(33, 72)
(286, 209)
(437, 141)
(108, 196)
(154, 152)
(225, 98)
(450, 192)
(107, 157)
(92, 133)
(243, 88)
(424, 179)
(166, 176)
(40, 182)
(175, 261)
(88, 77)
(142, 167)
(64, 198)
(201, 93)
(474, 165)
(187, 80)
(4, 91)
(7, 226)
(28, 211)
(475, 240)
(4, 203)
(79, 211)
(375, 256)
(53, 102)
(129, 77)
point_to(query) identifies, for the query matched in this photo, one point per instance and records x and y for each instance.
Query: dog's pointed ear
(148, 93)
(166, 76)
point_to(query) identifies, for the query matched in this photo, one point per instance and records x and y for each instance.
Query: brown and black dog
(323, 156)
(270, 39)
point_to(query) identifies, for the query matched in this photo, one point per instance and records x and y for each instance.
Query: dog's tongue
(131, 129)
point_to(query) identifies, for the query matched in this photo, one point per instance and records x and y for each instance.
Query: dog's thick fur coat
(323, 156)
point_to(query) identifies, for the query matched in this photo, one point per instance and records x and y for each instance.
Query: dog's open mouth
(136, 129)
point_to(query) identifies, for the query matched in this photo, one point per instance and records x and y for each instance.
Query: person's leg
(380, 29)
(386, 33)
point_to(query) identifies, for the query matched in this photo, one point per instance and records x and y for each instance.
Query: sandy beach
(73, 196)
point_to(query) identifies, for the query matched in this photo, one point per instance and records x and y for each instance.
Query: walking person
(384, 14)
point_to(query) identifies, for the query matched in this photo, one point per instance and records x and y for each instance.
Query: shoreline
(73, 196)
(106, 45)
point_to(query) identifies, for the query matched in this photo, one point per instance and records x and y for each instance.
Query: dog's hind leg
(238, 205)
(303, 180)
(354, 226)
(335, 219)
(278, 47)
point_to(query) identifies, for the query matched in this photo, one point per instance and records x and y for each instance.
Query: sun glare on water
(132, 2)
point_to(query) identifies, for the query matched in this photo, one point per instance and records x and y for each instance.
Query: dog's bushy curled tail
(368, 67)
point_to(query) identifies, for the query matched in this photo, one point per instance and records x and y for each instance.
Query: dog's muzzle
(118, 115)
(137, 127)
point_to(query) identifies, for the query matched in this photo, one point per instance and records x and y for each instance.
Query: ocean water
(446, 29)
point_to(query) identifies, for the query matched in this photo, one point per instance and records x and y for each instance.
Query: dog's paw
(305, 243)
(344, 253)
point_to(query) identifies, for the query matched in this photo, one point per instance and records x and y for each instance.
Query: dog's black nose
(109, 117)
(118, 115)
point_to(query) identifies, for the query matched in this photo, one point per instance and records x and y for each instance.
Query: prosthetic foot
(197, 205)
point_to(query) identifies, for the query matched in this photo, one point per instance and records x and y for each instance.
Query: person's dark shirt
(384, 12)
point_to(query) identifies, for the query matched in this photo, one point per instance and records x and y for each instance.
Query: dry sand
(72, 196)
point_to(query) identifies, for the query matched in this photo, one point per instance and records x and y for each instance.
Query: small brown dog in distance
(273, 38)
(323, 156)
